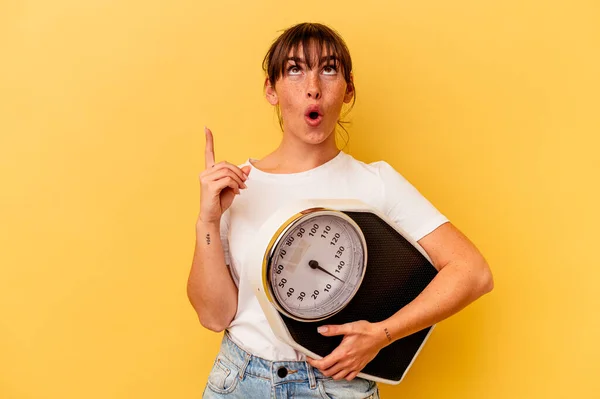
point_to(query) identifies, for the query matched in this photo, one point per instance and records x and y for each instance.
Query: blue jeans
(239, 374)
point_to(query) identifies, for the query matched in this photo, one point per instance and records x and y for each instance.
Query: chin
(320, 133)
(315, 137)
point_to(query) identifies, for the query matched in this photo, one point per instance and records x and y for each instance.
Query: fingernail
(244, 186)
(245, 176)
(205, 130)
(322, 329)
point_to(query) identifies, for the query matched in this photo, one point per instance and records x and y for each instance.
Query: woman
(308, 79)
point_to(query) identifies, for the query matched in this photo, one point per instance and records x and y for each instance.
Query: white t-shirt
(377, 184)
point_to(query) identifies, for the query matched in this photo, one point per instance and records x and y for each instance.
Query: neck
(294, 155)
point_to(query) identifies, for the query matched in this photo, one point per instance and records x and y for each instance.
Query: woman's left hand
(361, 343)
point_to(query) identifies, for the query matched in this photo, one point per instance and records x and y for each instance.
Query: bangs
(319, 43)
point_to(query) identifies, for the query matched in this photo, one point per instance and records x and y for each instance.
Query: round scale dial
(317, 265)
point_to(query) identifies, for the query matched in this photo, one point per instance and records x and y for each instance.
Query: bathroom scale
(335, 261)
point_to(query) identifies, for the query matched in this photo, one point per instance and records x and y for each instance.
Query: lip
(309, 110)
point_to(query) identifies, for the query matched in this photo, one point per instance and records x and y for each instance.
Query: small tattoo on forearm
(208, 239)
(387, 334)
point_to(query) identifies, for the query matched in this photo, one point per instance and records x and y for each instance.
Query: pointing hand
(219, 183)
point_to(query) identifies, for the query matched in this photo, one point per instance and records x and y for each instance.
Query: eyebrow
(300, 60)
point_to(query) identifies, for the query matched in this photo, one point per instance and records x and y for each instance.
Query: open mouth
(313, 115)
(313, 119)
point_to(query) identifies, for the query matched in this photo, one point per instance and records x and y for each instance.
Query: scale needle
(315, 265)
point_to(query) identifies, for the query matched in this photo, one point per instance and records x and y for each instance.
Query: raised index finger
(209, 150)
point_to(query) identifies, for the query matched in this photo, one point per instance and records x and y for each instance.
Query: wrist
(383, 333)
(207, 224)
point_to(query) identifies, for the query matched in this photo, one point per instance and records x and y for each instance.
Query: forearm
(453, 288)
(210, 289)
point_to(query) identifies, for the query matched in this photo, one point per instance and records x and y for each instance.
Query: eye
(330, 69)
(293, 70)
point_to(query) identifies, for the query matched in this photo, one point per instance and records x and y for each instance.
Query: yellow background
(490, 108)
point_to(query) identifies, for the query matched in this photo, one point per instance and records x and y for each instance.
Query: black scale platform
(396, 274)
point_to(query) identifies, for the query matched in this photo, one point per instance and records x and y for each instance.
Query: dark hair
(307, 34)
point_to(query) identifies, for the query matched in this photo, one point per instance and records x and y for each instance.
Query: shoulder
(378, 169)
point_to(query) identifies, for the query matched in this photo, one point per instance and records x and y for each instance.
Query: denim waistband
(259, 367)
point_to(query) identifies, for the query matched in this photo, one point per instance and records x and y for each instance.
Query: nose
(313, 89)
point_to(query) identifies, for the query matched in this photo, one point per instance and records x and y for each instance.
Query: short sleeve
(406, 206)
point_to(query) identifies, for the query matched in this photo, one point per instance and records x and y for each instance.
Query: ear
(349, 90)
(270, 93)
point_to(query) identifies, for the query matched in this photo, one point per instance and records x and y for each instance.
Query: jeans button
(282, 372)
